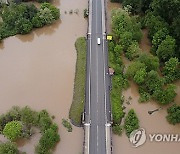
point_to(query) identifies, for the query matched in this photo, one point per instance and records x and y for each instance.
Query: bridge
(97, 111)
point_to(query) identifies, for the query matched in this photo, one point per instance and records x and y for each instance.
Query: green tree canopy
(168, 9)
(151, 62)
(165, 96)
(8, 148)
(13, 130)
(173, 116)
(133, 68)
(153, 82)
(158, 37)
(140, 76)
(166, 49)
(29, 116)
(135, 4)
(122, 22)
(133, 51)
(171, 70)
(154, 23)
(131, 122)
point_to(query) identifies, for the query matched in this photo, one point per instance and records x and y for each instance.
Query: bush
(67, 125)
(13, 130)
(117, 129)
(131, 122)
(86, 13)
(8, 148)
(173, 116)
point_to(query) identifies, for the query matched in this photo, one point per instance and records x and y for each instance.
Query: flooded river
(38, 70)
(155, 123)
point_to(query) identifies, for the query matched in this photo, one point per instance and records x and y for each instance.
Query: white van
(98, 41)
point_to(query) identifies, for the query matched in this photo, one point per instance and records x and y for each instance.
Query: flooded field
(155, 123)
(38, 70)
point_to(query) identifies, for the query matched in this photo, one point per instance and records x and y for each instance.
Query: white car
(98, 41)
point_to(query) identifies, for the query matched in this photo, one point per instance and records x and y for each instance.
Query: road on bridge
(97, 107)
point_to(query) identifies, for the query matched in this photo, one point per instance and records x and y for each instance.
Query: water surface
(38, 70)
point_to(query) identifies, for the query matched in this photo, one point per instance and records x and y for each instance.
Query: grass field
(79, 83)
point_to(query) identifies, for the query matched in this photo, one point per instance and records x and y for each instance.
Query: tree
(135, 4)
(122, 22)
(8, 148)
(158, 37)
(13, 130)
(48, 140)
(29, 116)
(54, 11)
(118, 50)
(126, 39)
(154, 23)
(146, 5)
(131, 122)
(46, 16)
(133, 51)
(23, 26)
(171, 70)
(133, 68)
(166, 9)
(45, 121)
(151, 62)
(166, 49)
(37, 21)
(153, 82)
(175, 28)
(144, 95)
(140, 76)
(173, 116)
(165, 96)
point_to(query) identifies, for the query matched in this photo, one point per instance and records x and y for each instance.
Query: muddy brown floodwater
(155, 123)
(38, 70)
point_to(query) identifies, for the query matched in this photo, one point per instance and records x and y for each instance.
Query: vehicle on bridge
(98, 41)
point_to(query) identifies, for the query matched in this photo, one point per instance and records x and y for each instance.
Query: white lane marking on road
(90, 80)
(97, 140)
(104, 62)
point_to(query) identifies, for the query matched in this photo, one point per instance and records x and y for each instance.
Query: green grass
(79, 83)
